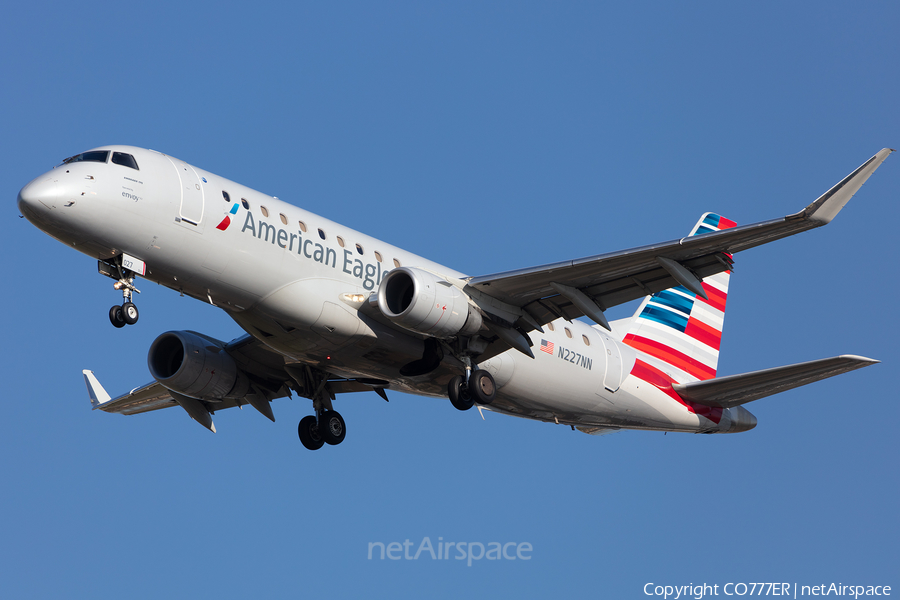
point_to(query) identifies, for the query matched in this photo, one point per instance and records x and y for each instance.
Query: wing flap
(152, 396)
(734, 390)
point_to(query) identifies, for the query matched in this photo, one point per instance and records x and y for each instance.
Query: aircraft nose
(741, 420)
(38, 197)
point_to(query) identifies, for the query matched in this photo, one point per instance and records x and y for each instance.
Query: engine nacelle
(196, 366)
(422, 302)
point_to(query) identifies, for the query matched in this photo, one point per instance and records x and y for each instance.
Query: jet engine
(196, 366)
(423, 302)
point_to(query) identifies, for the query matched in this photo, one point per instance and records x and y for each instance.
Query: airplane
(329, 311)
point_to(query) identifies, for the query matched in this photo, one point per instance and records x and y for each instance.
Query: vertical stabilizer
(678, 330)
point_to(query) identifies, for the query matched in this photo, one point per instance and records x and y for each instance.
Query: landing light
(353, 298)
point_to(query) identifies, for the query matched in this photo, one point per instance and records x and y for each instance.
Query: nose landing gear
(120, 316)
(127, 313)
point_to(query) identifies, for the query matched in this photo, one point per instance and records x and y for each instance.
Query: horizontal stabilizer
(734, 390)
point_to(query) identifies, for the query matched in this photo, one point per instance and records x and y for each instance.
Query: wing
(588, 286)
(152, 396)
(734, 390)
(266, 369)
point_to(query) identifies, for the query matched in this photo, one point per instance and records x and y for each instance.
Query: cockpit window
(126, 160)
(100, 156)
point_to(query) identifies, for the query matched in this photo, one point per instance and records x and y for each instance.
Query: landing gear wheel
(308, 430)
(332, 428)
(117, 316)
(459, 394)
(130, 313)
(481, 387)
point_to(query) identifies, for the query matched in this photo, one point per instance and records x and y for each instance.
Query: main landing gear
(477, 386)
(329, 429)
(327, 425)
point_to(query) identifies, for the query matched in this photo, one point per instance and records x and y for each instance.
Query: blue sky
(487, 137)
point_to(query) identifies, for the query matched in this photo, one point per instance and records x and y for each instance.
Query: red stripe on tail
(670, 355)
(717, 297)
(663, 382)
(726, 223)
(702, 332)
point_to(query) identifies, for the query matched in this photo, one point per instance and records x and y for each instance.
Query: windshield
(126, 160)
(94, 156)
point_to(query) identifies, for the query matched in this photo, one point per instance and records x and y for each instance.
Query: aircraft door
(612, 377)
(191, 208)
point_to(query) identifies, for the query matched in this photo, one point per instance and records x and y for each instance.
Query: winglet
(95, 390)
(829, 204)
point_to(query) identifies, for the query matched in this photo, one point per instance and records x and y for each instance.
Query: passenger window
(245, 204)
(396, 263)
(264, 211)
(302, 226)
(340, 240)
(226, 196)
(321, 234)
(359, 249)
(568, 333)
(378, 256)
(550, 327)
(587, 342)
(126, 160)
(283, 218)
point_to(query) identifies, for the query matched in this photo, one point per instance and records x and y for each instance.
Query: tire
(130, 313)
(117, 316)
(482, 388)
(308, 430)
(459, 394)
(332, 427)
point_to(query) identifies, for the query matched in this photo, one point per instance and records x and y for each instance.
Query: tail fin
(678, 330)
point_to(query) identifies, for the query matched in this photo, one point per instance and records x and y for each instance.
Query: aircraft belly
(547, 383)
(366, 348)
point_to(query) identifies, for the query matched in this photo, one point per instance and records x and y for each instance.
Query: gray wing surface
(265, 368)
(607, 280)
(152, 396)
(726, 392)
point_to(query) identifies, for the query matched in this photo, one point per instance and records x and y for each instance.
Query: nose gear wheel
(127, 313)
(117, 316)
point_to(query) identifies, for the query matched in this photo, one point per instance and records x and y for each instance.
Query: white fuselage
(299, 283)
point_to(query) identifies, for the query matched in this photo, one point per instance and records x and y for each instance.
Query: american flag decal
(547, 347)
